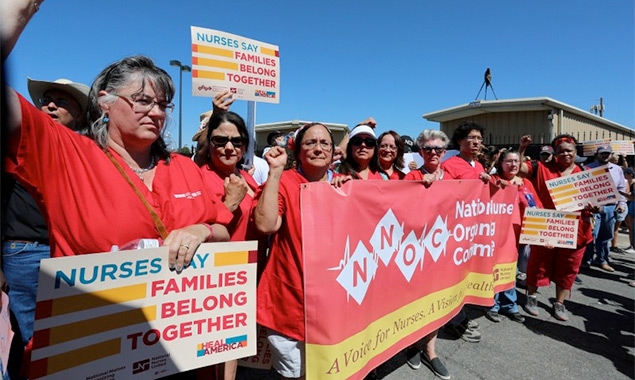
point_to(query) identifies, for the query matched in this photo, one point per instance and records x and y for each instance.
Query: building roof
(479, 107)
(296, 124)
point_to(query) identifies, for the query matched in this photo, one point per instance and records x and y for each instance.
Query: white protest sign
(543, 226)
(573, 192)
(249, 69)
(126, 315)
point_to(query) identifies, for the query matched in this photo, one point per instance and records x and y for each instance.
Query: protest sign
(249, 69)
(543, 226)
(624, 147)
(125, 315)
(412, 259)
(574, 191)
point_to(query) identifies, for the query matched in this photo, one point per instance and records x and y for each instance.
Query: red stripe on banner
(253, 257)
(277, 53)
(195, 60)
(194, 48)
(44, 309)
(41, 338)
(39, 368)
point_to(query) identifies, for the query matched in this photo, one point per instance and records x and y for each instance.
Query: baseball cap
(546, 149)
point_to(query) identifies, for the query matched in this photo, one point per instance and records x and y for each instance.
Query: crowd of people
(83, 160)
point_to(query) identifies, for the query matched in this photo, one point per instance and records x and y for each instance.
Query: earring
(106, 119)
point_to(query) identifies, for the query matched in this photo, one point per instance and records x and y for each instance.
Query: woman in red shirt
(507, 168)
(86, 182)
(390, 154)
(227, 140)
(432, 145)
(559, 265)
(277, 211)
(361, 160)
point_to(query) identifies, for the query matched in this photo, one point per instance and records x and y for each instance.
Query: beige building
(505, 121)
(263, 130)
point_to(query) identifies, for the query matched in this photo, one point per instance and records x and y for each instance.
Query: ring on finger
(186, 246)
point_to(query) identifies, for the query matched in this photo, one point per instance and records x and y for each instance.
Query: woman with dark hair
(277, 211)
(390, 154)
(361, 160)
(228, 139)
(468, 137)
(559, 265)
(507, 168)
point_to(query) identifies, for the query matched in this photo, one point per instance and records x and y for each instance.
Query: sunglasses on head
(429, 149)
(368, 141)
(221, 141)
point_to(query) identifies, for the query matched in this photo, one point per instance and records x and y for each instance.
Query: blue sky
(342, 61)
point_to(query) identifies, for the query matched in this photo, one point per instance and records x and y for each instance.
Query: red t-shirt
(239, 227)
(396, 175)
(414, 175)
(87, 203)
(548, 172)
(373, 175)
(281, 288)
(457, 168)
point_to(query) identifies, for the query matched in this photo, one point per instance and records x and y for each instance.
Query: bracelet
(211, 232)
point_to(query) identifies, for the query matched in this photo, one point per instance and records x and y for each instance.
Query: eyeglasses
(388, 147)
(436, 149)
(368, 141)
(221, 141)
(474, 138)
(60, 102)
(326, 145)
(144, 103)
(508, 162)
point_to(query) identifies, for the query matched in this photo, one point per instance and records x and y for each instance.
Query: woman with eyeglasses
(92, 186)
(227, 141)
(432, 145)
(277, 212)
(390, 155)
(468, 137)
(361, 160)
(507, 168)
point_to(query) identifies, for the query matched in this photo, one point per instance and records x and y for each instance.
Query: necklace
(140, 171)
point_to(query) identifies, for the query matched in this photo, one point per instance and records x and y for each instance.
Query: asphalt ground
(598, 341)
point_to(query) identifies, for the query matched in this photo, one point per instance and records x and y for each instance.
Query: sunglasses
(221, 141)
(368, 141)
(429, 149)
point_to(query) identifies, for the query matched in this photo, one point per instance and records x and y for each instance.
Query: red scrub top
(396, 175)
(457, 168)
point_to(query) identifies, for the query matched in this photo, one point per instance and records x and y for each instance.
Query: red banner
(387, 262)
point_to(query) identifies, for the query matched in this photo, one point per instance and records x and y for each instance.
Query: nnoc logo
(358, 270)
